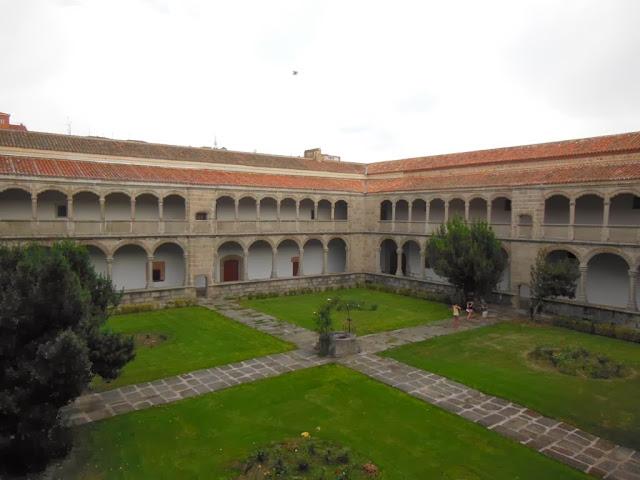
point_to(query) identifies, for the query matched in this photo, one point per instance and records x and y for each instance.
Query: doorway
(231, 270)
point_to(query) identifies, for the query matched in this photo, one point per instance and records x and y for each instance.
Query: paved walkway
(553, 438)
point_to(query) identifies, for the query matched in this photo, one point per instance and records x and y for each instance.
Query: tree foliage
(551, 279)
(53, 307)
(469, 256)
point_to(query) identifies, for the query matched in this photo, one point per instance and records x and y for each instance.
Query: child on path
(469, 310)
(456, 315)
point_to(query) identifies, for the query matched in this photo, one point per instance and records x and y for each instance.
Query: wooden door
(231, 271)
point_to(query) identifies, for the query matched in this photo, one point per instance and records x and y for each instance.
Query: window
(61, 211)
(158, 272)
(201, 215)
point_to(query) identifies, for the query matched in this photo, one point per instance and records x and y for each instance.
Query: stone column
(34, 206)
(214, 211)
(393, 216)
(325, 260)
(274, 262)
(216, 269)
(605, 220)
(333, 211)
(187, 270)
(410, 212)
(572, 218)
(315, 211)
(109, 267)
(245, 264)
(297, 210)
(103, 216)
(133, 208)
(446, 211)
(70, 208)
(466, 210)
(236, 207)
(632, 304)
(149, 271)
(399, 262)
(347, 260)
(278, 210)
(426, 216)
(489, 211)
(301, 263)
(161, 215)
(423, 255)
(258, 210)
(581, 293)
(378, 255)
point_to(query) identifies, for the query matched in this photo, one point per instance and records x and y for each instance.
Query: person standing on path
(469, 310)
(456, 315)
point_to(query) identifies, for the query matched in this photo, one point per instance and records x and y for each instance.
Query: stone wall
(158, 295)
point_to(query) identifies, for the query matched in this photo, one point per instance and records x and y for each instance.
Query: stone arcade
(166, 221)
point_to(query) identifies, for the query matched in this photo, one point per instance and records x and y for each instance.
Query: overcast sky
(376, 81)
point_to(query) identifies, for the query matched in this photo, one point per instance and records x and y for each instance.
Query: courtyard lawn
(494, 360)
(205, 436)
(196, 338)
(394, 311)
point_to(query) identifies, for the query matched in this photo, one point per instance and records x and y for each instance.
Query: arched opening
(418, 210)
(230, 262)
(86, 206)
(402, 211)
(52, 205)
(501, 211)
(624, 217)
(525, 226)
(288, 209)
(386, 211)
(307, 209)
(129, 267)
(436, 211)
(411, 263)
(174, 208)
(456, 208)
(260, 260)
(504, 284)
(429, 273)
(313, 257)
(167, 269)
(556, 210)
(117, 207)
(341, 210)
(268, 209)
(247, 209)
(147, 207)
(98, 260)
(388, 257)
(478, 210)
(324, 210)
(15, 204)
(560, 255)
(588, 217)
(608, 280)
(225, 208)
(337, 256)
(288, 261)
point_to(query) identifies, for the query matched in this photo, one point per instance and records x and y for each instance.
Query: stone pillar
(214, 211)
(245, 264)
(161, 215)
(393, 216)
(109, 267)
(581, 293)
(423, 255)
(572, 218)
(34, 206)
(605, 220)
(378, 255)
(632, 304)
(426, 216)
(236, 207)
(466, 210)
(489, 211)
(274, 262)
(297, 210)
(347, 261)
(149, 271)
(258, 210)
(315, 211)
(70, 208)
(278, 210)
(333, 211)
(216, 269)
(325, 260)
(103, 216)
(399, 261)
(187, 270)
(301, 263)
(410, 213)
(133, 208)
(446, 211)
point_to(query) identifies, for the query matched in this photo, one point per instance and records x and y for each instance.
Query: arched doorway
(388, 257)
(230, 264)
(608, 280)
(337, 256)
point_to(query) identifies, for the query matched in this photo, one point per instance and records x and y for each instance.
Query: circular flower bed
(578, 361)
(306, 457)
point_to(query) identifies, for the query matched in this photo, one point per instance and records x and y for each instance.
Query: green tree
(53, 307)
(468, 255)
(551, 279)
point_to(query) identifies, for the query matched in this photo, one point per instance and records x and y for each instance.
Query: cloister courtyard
(214, 383)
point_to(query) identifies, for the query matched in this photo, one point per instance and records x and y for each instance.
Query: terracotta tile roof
(130, 148)
(610, 144)
(512, 177)
(41, 167)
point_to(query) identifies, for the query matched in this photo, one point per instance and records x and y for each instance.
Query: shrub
(578, 362)
(627, 333)
(136, 308)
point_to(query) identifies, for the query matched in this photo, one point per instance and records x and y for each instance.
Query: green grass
(394, 311)
(202, 437)
(196, 338)
(494, 360)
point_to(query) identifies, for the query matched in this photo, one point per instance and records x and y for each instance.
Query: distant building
(5, 123)
(164, 220)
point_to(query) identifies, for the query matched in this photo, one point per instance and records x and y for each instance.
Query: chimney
(5, 123)
(316, 154)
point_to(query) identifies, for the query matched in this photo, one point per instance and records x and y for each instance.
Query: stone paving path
(553, 438)
(97, 406)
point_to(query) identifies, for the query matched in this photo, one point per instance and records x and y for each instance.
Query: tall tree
(551, 279)
(53, 307)
(468, 255)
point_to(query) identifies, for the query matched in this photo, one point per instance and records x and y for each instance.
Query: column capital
(109, 259)
(583, 267)
(150, 258)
